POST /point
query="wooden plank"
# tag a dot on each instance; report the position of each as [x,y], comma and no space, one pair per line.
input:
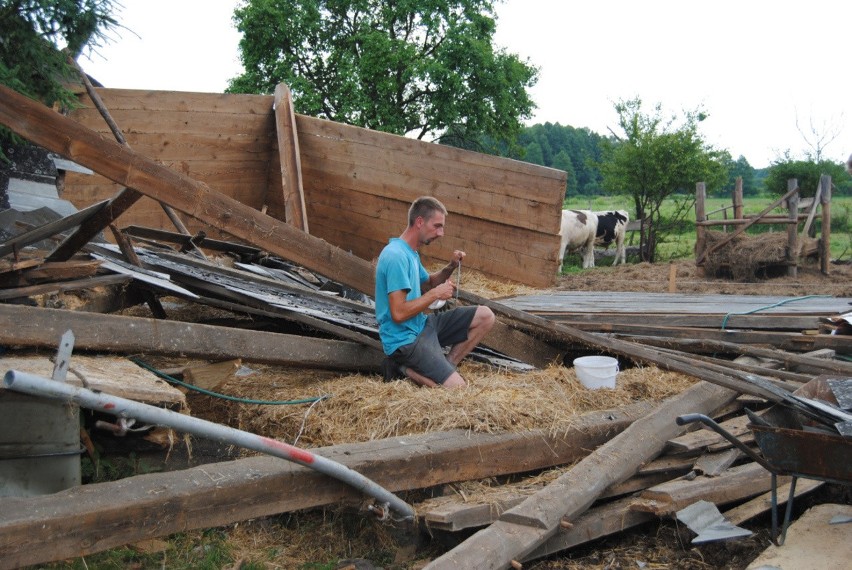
[522,529]
[703,320]
[788,359]
[467,169]
[49,229]
[454,513]
[714,464]
[763,503]
[43,327]
[382,218]
[469,196]
[736,484]
[667,464]
[623,303]
[290,159]
[598,522]
[705,437]
[112,375]
[96,517]
[51,271]
[156,101]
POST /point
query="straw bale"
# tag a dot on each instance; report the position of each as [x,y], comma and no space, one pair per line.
[746,255]
[360,408]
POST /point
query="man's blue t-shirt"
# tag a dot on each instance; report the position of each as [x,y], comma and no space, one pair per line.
[399,268]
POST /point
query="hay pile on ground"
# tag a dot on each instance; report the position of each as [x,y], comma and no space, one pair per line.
[745,256]
[359,408]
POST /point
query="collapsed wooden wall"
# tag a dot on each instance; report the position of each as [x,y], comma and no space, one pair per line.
[358,183]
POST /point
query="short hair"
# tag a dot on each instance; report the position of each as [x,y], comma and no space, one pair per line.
[424,207]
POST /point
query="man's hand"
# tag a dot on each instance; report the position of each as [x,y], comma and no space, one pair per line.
[445,290]
[457,257]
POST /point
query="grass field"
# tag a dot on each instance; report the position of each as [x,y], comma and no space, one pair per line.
[681,245]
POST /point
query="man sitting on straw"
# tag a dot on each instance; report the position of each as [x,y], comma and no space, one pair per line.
[412,340]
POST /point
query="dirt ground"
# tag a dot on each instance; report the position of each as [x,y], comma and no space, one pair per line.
[658,277]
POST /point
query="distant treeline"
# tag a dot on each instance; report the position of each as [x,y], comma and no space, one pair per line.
[578,152]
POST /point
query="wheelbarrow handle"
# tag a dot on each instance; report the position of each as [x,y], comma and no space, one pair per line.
[711,423]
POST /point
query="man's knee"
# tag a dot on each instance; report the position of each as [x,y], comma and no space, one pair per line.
[484,318]
[454,380]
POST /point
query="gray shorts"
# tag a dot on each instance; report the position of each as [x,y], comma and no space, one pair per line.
[425,355]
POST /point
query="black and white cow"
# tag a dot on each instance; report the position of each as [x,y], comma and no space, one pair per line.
[611,227]
[578,231]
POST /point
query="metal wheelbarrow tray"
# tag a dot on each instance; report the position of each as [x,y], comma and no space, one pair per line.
[808,454]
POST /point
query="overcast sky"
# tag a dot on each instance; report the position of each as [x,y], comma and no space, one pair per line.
[758,67]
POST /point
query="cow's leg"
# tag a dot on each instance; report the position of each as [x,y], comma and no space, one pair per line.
[620,256]
[589,253]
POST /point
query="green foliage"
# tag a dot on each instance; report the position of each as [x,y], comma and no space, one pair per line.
[739,168]
[112,468]
[576,151]
[655,160]
[36,39]
[207,550]
[807,174]
[410,67]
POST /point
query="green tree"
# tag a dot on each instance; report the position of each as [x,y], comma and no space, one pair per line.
[807,173]
[739,168]
[657,160]
[413,67]
[563,162]
[36,39]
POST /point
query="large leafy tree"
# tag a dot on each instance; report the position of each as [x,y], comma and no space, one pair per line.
[414,67]
[658,159]
[36,39]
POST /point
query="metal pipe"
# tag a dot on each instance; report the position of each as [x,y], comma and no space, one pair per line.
[121,407]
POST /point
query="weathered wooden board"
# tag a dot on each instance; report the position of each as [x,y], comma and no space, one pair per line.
[109,374]
[736,484]
[44,327]
[597,302]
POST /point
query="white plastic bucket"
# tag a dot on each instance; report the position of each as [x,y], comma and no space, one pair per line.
[596,371]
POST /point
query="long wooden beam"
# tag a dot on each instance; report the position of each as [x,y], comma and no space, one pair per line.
[96,517]
[291,163]
[35,326]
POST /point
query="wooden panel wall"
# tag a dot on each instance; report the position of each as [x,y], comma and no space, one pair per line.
[358,183]
[225,141]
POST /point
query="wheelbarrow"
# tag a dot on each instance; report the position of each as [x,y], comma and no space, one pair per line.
[792,452]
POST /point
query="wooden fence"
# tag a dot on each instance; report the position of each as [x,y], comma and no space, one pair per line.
[741,222]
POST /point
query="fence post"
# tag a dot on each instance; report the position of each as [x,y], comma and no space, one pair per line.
[792,230]
[700,216]
[825,237]
[737,198]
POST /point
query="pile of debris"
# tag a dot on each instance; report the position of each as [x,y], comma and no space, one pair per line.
[287,299]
